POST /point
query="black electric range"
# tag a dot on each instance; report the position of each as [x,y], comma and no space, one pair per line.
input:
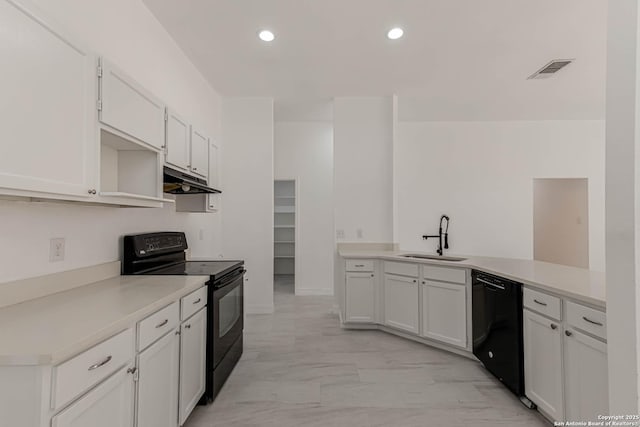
[163,253]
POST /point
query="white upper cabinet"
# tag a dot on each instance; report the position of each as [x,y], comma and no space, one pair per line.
[199,153]
[129,108]
[47,106]
[178,141]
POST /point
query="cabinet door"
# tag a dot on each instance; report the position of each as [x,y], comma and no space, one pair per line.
[199,153]
[158,383]
[586,380]
[130,108]
[47,106]
[214,166]
[108,405]
[444,312]
[401,302]
[543,364]
[177,141]
[193,345]
[360,297]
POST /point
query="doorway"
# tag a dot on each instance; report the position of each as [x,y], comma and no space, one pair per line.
[561,221]
[284,235]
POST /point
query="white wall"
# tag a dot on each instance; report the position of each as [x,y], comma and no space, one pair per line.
[247,198]
[362,138]
[623,206]
[480,174]
[129,35]
[304,151]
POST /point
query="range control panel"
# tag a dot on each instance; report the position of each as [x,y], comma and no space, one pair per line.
[157,243]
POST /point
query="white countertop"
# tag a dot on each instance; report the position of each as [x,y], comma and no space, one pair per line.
[53,328]
[576,283]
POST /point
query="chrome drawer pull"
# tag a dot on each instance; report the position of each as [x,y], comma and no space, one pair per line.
[591,321]
[197,301]
[161,324]
[97,365]
[541,303]
[359,265]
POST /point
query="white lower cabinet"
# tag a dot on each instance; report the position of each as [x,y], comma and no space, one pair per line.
[193,346]
[586,381]
[108,405]
[360,297]
[444,312]
[543,363]
[401,302]
[158,380]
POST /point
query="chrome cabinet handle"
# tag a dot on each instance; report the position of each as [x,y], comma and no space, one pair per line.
[568,333]
[177,332]
[132,370]
[372,275]
[195,169]
[161,324]
[97,365]
[187,326]
[554,327]
[197,301]
[593,322]
[414,280]
[541,303]
[359,265]
[92,191]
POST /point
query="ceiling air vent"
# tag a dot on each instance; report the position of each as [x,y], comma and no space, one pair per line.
[551,68]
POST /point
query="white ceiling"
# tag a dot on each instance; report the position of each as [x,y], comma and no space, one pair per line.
[458,60]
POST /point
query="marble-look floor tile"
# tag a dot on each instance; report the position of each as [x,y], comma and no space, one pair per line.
[299,369]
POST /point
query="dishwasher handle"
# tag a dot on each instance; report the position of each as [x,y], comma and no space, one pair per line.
[489,285]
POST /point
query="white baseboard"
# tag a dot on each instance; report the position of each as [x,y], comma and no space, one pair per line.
[259,308]
[314,292]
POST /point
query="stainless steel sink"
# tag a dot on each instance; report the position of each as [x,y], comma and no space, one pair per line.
[434,257]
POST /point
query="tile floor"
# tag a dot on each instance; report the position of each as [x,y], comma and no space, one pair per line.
[300,369]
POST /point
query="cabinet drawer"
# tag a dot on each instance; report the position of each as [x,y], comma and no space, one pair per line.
[443,274]
[542,303]
[401,268]
[587,319]
[359,265]
[158,324]
[77,375]
[193,302]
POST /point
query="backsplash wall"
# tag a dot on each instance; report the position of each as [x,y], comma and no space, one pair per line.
[92,233]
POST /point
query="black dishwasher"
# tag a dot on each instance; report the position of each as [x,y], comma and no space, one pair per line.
[497,328]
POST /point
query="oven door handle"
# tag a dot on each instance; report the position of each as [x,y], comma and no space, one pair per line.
[231,279]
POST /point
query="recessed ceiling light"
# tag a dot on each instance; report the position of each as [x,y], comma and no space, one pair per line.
[266,36]
[395,33]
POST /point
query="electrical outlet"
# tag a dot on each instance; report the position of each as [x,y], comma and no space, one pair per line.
[56,249]
[339,234]
[359,233]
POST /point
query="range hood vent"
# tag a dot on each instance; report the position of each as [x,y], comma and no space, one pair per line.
[177,182]
[550,69]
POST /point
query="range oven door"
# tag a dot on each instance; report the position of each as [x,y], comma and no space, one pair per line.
[228,314]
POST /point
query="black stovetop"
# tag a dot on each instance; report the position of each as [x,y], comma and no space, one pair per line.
[214,269]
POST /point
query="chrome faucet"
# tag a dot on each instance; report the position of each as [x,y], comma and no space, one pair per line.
[440,236]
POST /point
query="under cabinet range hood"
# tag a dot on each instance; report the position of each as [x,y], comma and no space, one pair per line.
[177,182]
